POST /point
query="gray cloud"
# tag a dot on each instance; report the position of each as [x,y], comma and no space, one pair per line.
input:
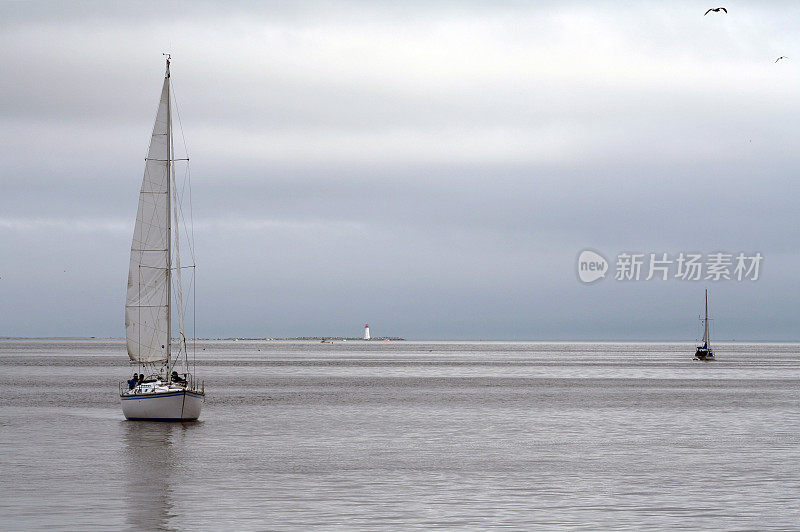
[432,169]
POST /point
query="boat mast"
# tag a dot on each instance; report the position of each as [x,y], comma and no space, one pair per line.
[706,339]
[169,225]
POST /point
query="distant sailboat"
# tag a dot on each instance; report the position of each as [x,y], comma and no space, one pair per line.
[161,393]
[704,351]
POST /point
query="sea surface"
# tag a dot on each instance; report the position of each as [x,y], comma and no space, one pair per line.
[404,435]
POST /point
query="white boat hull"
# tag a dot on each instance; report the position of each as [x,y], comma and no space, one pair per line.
[175,405]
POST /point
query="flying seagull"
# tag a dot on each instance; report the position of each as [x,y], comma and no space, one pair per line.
[781,57]
[715,10]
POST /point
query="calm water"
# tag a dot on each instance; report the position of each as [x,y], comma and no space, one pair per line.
[366,435]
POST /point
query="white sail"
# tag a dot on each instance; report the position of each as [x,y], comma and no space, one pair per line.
[148,297]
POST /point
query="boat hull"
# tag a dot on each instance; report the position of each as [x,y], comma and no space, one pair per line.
[703,354]
[182,405]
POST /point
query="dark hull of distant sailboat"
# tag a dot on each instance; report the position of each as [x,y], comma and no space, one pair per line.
[704,354]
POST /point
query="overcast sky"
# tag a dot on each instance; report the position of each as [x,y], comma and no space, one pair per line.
[432,168]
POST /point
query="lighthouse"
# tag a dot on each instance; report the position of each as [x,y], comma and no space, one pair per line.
[366,331]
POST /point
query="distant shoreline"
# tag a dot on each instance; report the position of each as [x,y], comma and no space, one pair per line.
[398,339]
[330,338]
[229,338]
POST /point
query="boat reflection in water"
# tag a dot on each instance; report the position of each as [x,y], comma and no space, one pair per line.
[153,472]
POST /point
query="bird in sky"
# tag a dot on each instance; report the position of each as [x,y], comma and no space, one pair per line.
[781,57]
[715,10]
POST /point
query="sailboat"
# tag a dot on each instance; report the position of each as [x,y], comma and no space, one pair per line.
[704,351]
[160,392]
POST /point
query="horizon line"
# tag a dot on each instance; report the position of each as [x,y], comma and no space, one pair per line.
[349,338]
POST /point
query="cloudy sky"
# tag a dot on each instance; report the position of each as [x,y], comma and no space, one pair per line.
[432,168]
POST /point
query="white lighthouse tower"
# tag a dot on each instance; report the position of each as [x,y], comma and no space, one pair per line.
[366,331]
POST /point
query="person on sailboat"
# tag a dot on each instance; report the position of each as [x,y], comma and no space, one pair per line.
[133,381]
[177,378]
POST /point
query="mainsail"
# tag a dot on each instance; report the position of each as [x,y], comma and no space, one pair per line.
[147,313]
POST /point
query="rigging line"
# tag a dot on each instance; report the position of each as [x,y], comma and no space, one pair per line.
[182,309]
[191,209]
[194,321]
[186,303]
[189,233]
[185,230]
[189,238]
[180,123]
[188,177]
[194,325]
[183,186]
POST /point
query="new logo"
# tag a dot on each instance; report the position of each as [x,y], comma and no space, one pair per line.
[591,266]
